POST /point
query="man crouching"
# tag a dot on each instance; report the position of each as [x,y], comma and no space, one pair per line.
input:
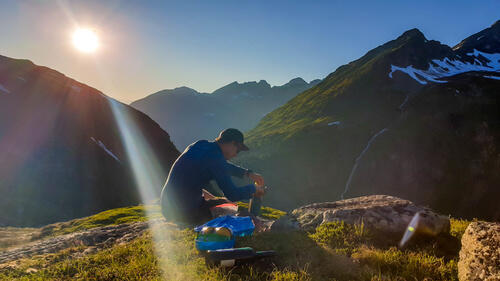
[202,161]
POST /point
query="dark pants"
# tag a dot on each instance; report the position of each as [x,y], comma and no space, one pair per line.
[193,217]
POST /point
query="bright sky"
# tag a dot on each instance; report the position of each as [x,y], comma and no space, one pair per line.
[147,46]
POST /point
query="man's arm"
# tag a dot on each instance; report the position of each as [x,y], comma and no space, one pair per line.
[221,174]
[240,172]
[236,171]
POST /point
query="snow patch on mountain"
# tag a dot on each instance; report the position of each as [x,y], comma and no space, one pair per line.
[99,143]
[412,72]
[334,123]
[21,78]
[3,89]
[492,77]
[446,67]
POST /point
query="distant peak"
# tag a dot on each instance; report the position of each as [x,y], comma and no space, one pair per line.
[261,83]
[184,88]
[315,82]
[264,82]
[297,80]
[412,34]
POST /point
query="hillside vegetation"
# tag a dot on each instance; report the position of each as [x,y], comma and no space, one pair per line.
[334,251]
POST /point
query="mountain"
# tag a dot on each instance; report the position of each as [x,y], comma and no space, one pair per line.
[63,147]
[412,118]
[190,116]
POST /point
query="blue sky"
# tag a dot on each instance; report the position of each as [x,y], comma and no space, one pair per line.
[153,45]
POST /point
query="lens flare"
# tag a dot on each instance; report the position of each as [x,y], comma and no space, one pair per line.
[146,169]
[410,230]
[85,40]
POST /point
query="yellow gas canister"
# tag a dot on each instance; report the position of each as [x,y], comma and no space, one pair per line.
[223,231]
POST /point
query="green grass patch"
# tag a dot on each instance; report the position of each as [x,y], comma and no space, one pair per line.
[457,227]
[301,256]
[267,212]
[341,237]
[125,215]
[109,217]
[171,257]
[394,264]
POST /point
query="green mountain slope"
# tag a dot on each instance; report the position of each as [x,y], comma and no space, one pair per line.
[360,82]
[318,146]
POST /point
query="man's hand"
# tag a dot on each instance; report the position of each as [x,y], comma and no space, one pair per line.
[258,179]
[207,195]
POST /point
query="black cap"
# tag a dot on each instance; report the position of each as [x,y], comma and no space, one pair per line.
[231,134]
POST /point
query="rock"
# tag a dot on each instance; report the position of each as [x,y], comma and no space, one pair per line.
[31,270]
[284,223]
[382,213]
[90,250]
[480,253]
[125,238]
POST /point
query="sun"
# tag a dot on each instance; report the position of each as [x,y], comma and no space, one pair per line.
[85,40]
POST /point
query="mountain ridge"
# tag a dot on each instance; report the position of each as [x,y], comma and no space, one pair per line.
[297,80]
[192,115]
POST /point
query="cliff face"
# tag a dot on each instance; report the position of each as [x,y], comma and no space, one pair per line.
[62,149]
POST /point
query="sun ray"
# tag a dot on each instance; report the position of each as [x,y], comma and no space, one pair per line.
[145,166]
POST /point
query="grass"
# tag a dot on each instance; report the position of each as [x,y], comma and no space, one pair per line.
[267,212]
[342,237]
[139,260]
[457,227]
[395,264]
[333,251]
[126,215]
[109,217]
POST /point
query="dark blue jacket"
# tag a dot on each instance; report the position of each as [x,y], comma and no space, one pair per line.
[201,162]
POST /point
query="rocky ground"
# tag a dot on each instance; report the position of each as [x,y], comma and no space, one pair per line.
[86,242]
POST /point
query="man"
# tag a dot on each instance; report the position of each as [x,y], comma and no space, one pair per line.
[202,161]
